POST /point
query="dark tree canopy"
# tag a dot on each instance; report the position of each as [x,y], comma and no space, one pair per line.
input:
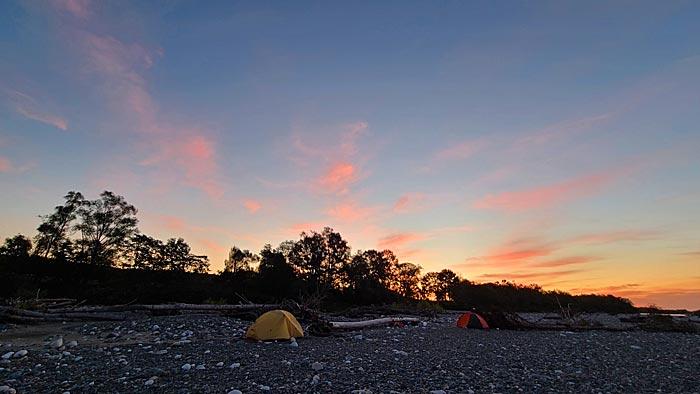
[55,228]
[17,246]
[318,258]
[240,260]
[105,226]
[152,254]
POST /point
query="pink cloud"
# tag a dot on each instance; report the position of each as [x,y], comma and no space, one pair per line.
[27,106]
[213,246]
[183,153]
[397,242]
[616,237]
[565,262]
[561,130]
[78,8]
[408,202]
[49,119]
[337,178]
[547,196]
[529,277]
[5,164]
[350,211]
[461,151]
[251,205]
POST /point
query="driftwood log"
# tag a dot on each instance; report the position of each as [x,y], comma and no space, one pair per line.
[351,325]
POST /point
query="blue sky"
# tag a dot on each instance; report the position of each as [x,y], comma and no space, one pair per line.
[541,142]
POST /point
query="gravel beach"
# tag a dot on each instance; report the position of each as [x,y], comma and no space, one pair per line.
[205,354]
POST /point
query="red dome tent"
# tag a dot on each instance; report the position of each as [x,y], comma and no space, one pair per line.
[471,320]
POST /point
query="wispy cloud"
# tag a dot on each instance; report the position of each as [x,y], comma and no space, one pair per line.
[462,150]
[5,164]
[530,276]
[252,205]
[408,202]
[337,178]
[29,107]
[187,152]
[350,211]
[77,8]
[548,195]
[562,130]
[398,242]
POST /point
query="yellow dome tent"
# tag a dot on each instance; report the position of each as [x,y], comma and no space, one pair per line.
[276,324]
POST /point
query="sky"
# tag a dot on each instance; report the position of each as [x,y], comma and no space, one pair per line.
[555,143]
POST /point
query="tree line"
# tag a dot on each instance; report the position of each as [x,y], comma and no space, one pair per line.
[104,233]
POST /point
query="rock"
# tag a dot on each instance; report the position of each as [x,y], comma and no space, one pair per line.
[7,355]
[72,344]
[201,366]
[235,392]
[20,353]
[186,367]
[149,382]
[264,388]
[438,392]
[7,389]
[294,344]
[362,391]
[234,365]
[635,347]
[315,379]
[316,366]
[220,364]
[57,343]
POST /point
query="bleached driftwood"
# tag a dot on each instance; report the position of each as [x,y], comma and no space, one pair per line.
[349,325]
[17,315]
[168,307]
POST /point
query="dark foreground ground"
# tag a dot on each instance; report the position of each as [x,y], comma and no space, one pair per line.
[148,355]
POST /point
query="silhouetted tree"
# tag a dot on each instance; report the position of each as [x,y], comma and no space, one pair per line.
[146,253]
[318,257]
[105,225]
[17,246]
[52,240]
[240,260]
[438,284]
[275,275]
[176,256]
[407,279]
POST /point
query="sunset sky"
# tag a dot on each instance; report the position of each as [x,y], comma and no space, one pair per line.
[555,143]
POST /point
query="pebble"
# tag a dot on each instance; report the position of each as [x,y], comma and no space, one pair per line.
[316,366]
[234,365]
[315,379]
[7,389]
[186,367]
[438,392]
[72,344]
[264,388]
[57,343]
[220,364]
[635,347]
[20,353]
[7,355]
[235,392]
[149,382]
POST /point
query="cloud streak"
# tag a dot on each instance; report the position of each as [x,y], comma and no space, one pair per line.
[188,153]
[549,195]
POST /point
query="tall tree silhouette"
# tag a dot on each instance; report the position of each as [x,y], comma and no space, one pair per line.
[318,258]
[105,227]
[55,228]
